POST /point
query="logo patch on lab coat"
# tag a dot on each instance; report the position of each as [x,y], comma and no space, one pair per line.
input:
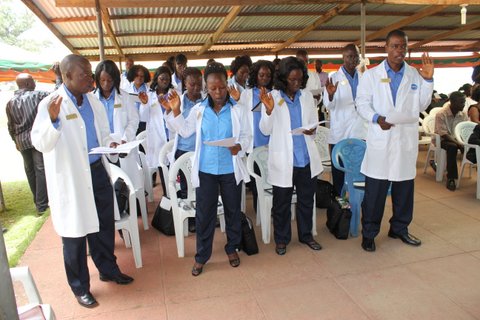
[414,86]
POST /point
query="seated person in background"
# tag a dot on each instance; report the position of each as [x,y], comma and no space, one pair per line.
[475,140]
[473,111]
[467,90]
[445,122]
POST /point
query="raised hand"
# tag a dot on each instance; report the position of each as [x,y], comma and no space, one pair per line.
[267,100]
[54,108]
[426,71]
[234,93]
[331,88]
[143,97]
[171,102]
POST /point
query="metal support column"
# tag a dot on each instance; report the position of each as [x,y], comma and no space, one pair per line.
[101,45]
[363,26]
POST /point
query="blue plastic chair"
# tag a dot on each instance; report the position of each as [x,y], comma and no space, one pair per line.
[349,153]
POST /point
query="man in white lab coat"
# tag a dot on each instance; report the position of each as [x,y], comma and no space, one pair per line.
[70,122]
[392,90]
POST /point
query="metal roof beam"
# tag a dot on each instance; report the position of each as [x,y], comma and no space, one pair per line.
[108,25]
[33,7]
[404,22]
[226,22]
[444,35]
[326,17]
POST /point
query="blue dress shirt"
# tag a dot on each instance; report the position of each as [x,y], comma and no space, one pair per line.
[259,139]
[395,80]
[187,144]
[300,151]
[353,81]
[216,160]
[88,117]
[109,104]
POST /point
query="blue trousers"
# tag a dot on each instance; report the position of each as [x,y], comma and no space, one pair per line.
[101,243]
[281,210]
[206,213]
[373,206]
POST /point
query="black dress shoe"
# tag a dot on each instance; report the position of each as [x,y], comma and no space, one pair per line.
[451,185]
[312,244]
[118,278]
[197,269]
[281,249]
[368,244]
[406,238]
[87,300]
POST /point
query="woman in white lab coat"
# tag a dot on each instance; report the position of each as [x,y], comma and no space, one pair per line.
[293,159]
[139,77]
[215,168]
[240,69]
[121,113]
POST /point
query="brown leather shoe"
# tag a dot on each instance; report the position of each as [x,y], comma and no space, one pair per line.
[234,259]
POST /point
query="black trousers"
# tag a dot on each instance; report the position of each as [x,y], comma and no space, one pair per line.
[281,210]
[373,206]
[183,193]
[452,149]
[338,177]
[101,243]
[253,187]
[35,171]
[206,213]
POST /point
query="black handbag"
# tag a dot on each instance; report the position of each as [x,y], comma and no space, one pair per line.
[249,241]
[163,221]
[338,219]
[121,194]
[325,195]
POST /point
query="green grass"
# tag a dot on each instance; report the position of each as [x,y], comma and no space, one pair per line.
[20,218]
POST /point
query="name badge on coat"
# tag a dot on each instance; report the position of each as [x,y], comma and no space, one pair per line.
[118,105]
[71,116]
[386,80]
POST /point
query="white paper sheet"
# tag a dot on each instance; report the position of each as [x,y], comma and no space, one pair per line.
[298,131]
[121,148]
[400,118]
[229,142]
[135,97]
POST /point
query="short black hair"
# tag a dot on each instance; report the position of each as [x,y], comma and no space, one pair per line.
[396,33]
[467,89]
[456,95]
[240,61]
[253,75]
[215,67]
[301,52]
[350,46]
[191,71]
[111,68]
[286,66]
[158,72]
[132,73]
[170,63]
[181,59]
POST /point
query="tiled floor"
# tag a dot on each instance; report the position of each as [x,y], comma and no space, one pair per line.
[439,280]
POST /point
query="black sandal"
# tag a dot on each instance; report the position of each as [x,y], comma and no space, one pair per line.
[234,259]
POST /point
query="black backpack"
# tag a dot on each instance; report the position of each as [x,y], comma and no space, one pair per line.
[249,241]
[122,192]
[338,219]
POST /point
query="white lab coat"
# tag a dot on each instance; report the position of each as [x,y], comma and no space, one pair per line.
[143,115]
[232,82]
[345,122]
[280,148]
[246,101]
[67,169]
[392,154]
[313,82]
[156,134]
[177,86]
[125,125]
[193,124]
[124,83]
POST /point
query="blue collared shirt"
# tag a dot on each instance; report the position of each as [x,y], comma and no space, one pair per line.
[187,144]
[395,80]
[143,88]
[259,139]
[300,151]
[109,104]
[88,117]
[353,81]
[216,160]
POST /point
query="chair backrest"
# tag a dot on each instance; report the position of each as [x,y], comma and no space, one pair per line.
[117,172]
[464,130]
[428,124]
[259,156]
[143,136]
[183,163]
[320,139]
[350,152]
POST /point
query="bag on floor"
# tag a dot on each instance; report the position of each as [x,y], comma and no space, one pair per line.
[122,193]
[249,241]
[338,218]
[163,218]
[325,195]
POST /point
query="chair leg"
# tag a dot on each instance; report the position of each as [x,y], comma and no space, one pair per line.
[461,173]
[314,217]
[140,193]
[126,238]
[267,220]
[135,241]
[427,161]
[178,224]
[441,165]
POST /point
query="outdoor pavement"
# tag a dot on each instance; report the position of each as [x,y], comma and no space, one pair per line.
[438,280]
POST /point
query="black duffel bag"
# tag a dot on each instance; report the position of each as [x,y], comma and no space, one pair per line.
[325,195]
[249,242]
[163,219]
[338,219]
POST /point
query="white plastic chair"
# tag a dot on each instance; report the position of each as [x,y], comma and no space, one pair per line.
[23,275]
[439,155]
[129,223]
[259,156]
[148,172]
[463,131]
[164,161]
[143,136]
[321,137]
[183,208]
